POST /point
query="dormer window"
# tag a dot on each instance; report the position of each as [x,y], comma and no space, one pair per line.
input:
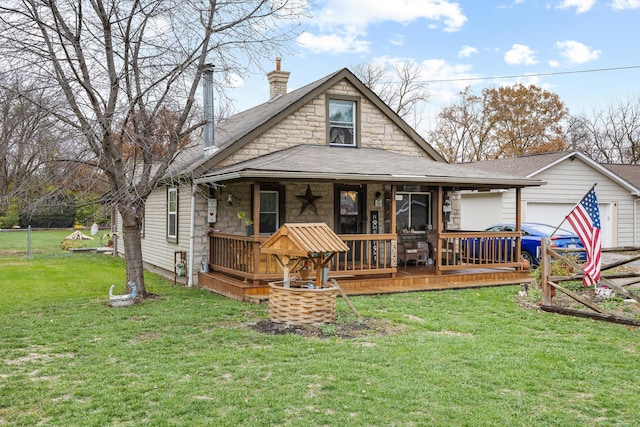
[342,122]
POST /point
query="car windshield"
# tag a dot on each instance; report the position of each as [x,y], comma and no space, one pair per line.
[547,230]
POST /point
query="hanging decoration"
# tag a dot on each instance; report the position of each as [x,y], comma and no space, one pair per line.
[308,200]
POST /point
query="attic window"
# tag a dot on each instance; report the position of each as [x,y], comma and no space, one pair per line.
[342,122]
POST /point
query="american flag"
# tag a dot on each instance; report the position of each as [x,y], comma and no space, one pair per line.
[585,220]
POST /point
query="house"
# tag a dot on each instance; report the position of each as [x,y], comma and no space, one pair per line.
[568,175]
[329,152]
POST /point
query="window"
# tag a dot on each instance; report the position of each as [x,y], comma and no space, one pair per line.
[172,214]
[413,211]
[342,122]
[269,211]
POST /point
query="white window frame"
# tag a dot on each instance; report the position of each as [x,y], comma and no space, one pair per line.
[172,214]
[338,129]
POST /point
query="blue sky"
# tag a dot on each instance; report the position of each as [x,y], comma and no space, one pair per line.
[546,43]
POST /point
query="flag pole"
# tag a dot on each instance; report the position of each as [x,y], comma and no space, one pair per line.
[574,206]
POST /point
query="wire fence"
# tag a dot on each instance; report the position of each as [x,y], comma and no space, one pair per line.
[30,242]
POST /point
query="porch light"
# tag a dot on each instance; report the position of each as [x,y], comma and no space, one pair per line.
[230,199]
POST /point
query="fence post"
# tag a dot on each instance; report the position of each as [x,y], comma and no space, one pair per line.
[545,270]
[29,243]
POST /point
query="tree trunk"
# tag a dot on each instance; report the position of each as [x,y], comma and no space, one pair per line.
[133,251]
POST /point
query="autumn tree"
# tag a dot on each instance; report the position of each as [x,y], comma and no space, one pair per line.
[400,85]
[611,135]
[120,66]
[503,122]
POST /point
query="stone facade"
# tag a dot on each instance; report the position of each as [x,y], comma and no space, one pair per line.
[308,125]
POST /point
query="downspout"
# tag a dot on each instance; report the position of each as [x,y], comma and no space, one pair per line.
[192,230]
[635,221]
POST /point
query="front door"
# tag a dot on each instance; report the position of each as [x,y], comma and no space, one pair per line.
[350,217]
[350,209]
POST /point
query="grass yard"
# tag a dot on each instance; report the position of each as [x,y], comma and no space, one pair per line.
[190,358]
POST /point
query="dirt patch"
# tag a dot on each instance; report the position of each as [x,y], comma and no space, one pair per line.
[347,330]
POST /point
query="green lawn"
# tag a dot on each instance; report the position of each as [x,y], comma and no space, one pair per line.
[190,358]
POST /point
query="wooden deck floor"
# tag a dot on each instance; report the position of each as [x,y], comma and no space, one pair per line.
[409,279]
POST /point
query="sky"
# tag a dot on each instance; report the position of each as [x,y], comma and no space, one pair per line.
[585,51]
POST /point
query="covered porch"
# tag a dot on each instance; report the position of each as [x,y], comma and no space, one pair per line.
[398,227]
[239,270]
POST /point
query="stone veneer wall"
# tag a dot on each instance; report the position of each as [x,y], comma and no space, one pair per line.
[308,126]
[228,222]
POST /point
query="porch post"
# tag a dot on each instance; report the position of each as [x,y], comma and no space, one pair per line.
[255,215]
[255,209]
[392,226]
[519,221]
[439,226]
[393,209]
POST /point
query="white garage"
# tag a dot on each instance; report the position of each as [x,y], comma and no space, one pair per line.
[480,210]
[554,214]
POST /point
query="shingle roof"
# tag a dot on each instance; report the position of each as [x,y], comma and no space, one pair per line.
[362,164]
[529,166]
[630,173]
[523,166]
[241,128]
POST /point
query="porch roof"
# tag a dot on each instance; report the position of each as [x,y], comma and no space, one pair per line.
[320,162]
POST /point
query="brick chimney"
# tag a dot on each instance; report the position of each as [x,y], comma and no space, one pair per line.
[277,81]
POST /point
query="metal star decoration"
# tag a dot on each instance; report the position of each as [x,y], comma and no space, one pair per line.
[308,199]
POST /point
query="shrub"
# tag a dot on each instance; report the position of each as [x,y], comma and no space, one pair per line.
[65,245]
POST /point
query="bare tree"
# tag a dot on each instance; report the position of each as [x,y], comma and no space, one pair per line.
[123,65]
[399,85]
[610,136]
[29,138]
[503,122]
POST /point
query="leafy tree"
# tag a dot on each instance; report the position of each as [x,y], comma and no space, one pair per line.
[122,66]
[503,122]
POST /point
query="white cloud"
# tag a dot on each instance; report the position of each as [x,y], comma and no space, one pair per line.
[467,51]
[519,55]
[361,13]
[235,81]
[625,4]
[575,52]
[353,17]
[397,40]
[333,43]
[580,5]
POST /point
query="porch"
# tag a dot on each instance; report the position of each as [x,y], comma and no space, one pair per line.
[239,270]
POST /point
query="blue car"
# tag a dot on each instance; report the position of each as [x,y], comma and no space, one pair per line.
[532,234]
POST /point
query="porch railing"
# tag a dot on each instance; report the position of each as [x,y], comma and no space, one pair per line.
[240,256]
[460,250]
[369,254]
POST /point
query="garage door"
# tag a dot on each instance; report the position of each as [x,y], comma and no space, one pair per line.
[554,213]
[479,211]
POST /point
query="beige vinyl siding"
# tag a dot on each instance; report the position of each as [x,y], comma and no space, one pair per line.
[567,182]
[156,250]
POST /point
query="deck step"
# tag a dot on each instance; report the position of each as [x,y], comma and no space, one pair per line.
[412,280]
